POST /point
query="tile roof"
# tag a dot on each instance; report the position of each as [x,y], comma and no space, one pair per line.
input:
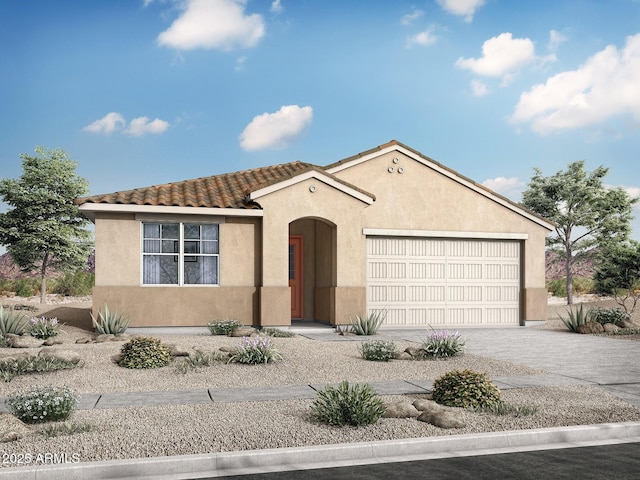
[228,190]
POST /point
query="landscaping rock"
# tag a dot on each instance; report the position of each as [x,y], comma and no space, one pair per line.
[178,352]
[116,358]
[243,332]
[628,324]
[424,405]
[610,328]
[443,418]
[121,337]
[590,328]
[401,410]
[86,340]
[403,356]
[52,341]
[12,429]
[228,349]
[413,351]
[104,337]
[64,355]
[25,341]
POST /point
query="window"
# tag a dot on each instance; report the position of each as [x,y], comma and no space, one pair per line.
[180,254]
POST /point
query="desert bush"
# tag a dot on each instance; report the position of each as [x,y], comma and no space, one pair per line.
[12,322]
[348,405]
[43,328]
[144,352]
[27,287]
[198,359]
[378,350]
[110,322]
[223,327]
[255,350]
[9,369]
[43,404]
[557,287]
[502,408]
[277,332]
[609,315]
[67,428]
[577,317]
[72,284]
[465,388]
[442,344]
[368,325]
[583,285]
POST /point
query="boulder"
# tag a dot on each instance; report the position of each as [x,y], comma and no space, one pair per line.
[243,332]
[443,418]
[86,340]
[628,324]
[178,351]
[610,328]
[413,351]
[401,410]
[64,355]
[402,356]
[590,328]
[116,358]
[228,349]
[12,429]
[121,337]
[104,337]
[25,341]
[52,341]
[424,405]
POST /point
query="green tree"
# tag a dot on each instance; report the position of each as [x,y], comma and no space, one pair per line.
[618,272]
[43,228]
[586,212]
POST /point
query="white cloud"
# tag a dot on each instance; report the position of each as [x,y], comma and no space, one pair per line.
[502,56]
[479,88]
[240,61]
[141,126]
[409,18]
[462,8]
[106,125]
[606,85]
[276,7]
[219,24]
[555,40]
[422,39]
[509,187]
[276,130]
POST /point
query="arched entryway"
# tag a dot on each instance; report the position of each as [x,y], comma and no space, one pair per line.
[312,269]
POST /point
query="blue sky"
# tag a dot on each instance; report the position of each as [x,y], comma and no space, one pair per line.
[143,92]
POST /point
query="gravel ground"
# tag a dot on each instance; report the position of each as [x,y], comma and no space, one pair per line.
[188,429]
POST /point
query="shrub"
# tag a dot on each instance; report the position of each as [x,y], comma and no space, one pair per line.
[144,352]
[73,284]
[465,388]
[368,325]
[43,328]
[43,404]
[609,315]
[576,318]
[56,430]
[9,369]
[557,287]
[277,332]
[255,350]
[223,327]
[348,405]
[503,408]
[378,350]
[27,287]
[12,322]
[442,344]
[582,285]
[196,360]
[110,322]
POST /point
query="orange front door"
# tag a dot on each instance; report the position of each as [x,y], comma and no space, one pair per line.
[295,274]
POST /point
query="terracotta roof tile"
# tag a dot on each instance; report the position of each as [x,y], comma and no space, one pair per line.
[228,190]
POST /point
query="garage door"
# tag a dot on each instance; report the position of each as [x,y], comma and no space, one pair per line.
[421,281]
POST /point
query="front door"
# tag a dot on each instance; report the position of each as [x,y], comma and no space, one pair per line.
[295,274]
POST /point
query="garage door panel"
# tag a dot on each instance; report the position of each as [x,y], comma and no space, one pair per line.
[423,281]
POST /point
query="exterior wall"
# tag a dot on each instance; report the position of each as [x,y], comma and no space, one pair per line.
[119,284]
[421,198]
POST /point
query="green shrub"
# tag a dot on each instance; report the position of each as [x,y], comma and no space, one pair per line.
[348,405]
[223,327]
[43,404]
[503,408]
[27,287]
[557,287]
[72,284]
[255,350]
[575,318]
[368,325]
[43,328]
[12,322]
[144,352]
[582,285]
[9,369]
[197,359]
[71,428]
[110,322]
[609,315]
[378,350]
[465,388]
[442,344]
[277,332]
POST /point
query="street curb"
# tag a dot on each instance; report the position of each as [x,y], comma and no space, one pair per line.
[324,456]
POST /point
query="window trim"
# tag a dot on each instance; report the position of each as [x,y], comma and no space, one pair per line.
[180,254]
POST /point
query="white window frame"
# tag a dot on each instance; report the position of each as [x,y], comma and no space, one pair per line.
[180,254]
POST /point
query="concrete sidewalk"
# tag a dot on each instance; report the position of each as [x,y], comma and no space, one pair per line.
[567,359]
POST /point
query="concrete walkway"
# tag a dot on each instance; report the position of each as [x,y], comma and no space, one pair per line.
[567,359]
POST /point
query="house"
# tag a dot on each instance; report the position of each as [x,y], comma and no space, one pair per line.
[388,229]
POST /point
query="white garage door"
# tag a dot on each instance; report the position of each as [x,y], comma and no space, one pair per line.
[421,281]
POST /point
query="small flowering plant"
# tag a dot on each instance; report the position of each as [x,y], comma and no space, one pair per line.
[255,350]
[43,404]
[43,328]
[442,344]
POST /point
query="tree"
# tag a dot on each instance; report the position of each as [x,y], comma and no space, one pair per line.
[618,272]
[44,229]
[585,211]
